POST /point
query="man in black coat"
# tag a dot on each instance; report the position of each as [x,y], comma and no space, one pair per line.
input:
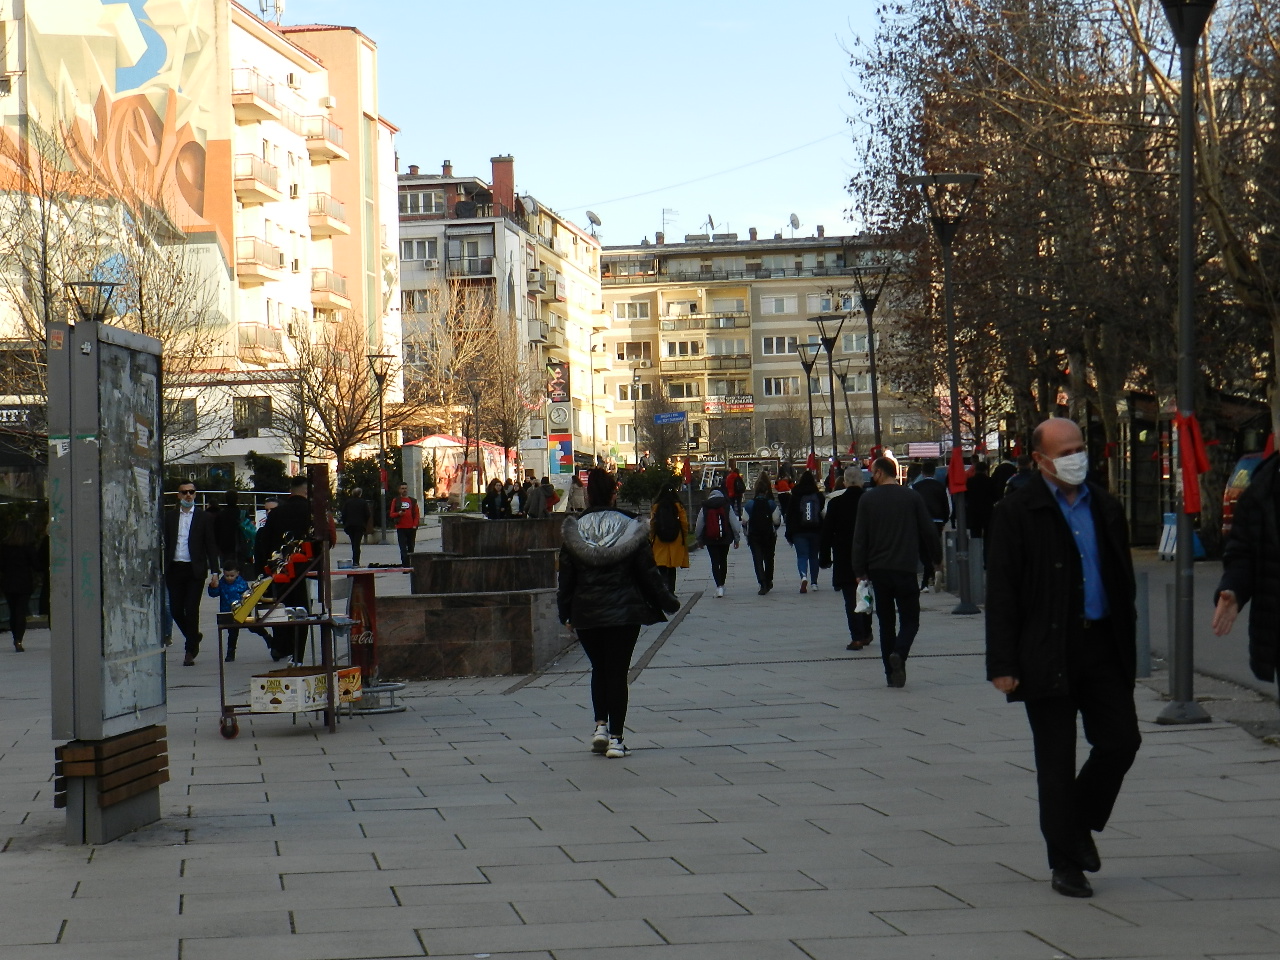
[355,521]
[1251,570]
[1060,638]
[934,492]
[289,521]
[190,555]
[836,551]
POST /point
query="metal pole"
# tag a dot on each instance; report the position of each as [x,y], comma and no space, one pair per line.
[1182,707]
[848,414]
[383,478]
[869,307]
[829,344]
[808,388]
[966,604]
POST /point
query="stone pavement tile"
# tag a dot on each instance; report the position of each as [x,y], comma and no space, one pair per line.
[234,901]
[463,893]
[392,859]
[605,871]
[638,908]
[555,937]
[1033,891]
[964,946]
[133,925]
[1219,887]
[428,843]
[430,872]
[141,888]
[590,853]
[29,926]
[409,916]
[308,946]
[164,949]
[770,949]
[745,929]
[277,866]
[1046,920]
[914,875]
[1161,867]
[1087,940]
[731,883]
[1197,845]
[810,902]
[1171,914]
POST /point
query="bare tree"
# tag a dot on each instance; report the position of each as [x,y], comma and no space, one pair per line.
[515,384]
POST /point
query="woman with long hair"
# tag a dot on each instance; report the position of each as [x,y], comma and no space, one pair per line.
[669,533]
[609,588]
[763,518]
[804,528]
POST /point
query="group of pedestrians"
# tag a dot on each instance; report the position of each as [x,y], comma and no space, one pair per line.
[510,501]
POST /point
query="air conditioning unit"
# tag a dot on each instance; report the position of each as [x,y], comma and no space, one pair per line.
[534,276]
[293,80]
[296,266]
[295,191]
[328,102]
[645,364]
[431,264]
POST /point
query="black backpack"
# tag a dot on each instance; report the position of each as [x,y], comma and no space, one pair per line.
[666,522]
[760,521]
[811,512]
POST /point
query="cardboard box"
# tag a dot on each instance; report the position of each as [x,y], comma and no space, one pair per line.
[300,689]
[350,684]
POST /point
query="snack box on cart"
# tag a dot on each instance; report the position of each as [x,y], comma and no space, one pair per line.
[300,689]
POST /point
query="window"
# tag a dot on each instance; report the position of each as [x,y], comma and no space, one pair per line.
[781,386]
[683,391]
[771,346]
[728,305]
[424,201]
[857,383]
[419,249]
[180,414]
[856,342]
[626,433]
[627,392]
[631,311]
[725,346]
[684,348]
[820,426]
[249,415]
[808,261]
[727,388]
[778,305]
[818,385]
[419,301]
[729,264]
[684,266]
[633,350]
[826,303]
[776,264]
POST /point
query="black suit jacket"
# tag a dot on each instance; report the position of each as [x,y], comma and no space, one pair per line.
[202,544]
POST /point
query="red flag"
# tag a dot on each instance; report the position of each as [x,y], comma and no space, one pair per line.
[1271,446]
[957,481]
[687,473]
[1017,448]
[812,463]
[1193,460]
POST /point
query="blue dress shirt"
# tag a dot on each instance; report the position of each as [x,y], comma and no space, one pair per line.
[1079,519]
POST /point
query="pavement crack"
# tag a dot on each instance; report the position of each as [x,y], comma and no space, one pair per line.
[649,924]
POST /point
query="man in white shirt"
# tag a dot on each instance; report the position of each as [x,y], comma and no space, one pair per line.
[190,555]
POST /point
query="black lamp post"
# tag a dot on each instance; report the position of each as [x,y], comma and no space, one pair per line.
[635,416]
[93,298]
[842,374]
[380,364]
[948,196]
[871,281]
[829,327]
[808,357]
[1187,18]
[475,387]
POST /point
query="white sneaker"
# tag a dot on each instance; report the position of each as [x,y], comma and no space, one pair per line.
[814,586]
[719,592]
[617,749]
[600,739]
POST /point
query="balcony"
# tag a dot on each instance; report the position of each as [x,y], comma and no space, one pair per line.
[537,331]
[602,361]
[257,262]
[329,290]
[260,344]
[740,361]
[557,289]
[324,139]
[326,216]
[253,96]
[707,276]
[255,180]
[555,338]
[706,321]
[471,266]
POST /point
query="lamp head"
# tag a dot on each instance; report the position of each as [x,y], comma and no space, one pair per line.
[808,353]
[947,196]
[829,327]
[93,298]
[380,364]
[1188,18]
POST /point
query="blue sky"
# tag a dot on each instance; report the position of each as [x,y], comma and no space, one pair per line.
[599,102]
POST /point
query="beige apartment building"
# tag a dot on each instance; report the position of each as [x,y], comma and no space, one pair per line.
[713,326]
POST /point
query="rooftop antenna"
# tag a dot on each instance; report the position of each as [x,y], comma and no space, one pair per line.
[272,10]
[668,216]
[595,222]
[711,224]
[795,225]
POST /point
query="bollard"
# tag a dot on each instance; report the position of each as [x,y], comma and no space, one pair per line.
[1169,613]
[1142,601]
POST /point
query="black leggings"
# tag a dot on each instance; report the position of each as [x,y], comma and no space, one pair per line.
[609,649]
[18,614]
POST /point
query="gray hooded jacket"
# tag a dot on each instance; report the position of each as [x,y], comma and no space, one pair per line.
[607,574]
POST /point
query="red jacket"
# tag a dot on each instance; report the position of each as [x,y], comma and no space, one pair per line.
[405,517]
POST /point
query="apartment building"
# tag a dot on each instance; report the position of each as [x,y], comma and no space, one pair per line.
[232,133]
[467,239]
[713,326]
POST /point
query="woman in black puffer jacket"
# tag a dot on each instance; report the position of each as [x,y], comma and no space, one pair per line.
[609,589]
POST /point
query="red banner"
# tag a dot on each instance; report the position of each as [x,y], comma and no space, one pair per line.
[1193,460]
[957,479]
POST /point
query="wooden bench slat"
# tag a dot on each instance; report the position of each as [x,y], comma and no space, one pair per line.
[78,751]
[131,773]
[120,794]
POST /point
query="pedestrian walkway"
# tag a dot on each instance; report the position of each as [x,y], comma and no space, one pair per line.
[780,802]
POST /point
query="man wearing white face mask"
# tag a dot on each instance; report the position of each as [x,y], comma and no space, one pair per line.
[1060,638]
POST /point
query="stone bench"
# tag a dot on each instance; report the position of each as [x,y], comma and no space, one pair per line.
[478,537]
[455,573]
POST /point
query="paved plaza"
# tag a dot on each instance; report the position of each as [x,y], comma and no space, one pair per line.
[780,802]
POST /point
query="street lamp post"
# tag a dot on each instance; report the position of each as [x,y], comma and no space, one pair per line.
[635,417]
[871,281]
[948,196]
[808,357]
[475,387]
[1188,19]
[828,338]
[842,374]
[380,364]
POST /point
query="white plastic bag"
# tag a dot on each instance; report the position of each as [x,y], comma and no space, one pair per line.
[866,598]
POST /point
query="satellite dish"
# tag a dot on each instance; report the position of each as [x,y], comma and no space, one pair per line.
[795,222]
[530,205]
[595,221]
[710,223]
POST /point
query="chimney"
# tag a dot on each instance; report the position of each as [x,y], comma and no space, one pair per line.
[660,237]
[446,169]
[504,181]
[413,169]
[822,231]
[752,234]
[778,235]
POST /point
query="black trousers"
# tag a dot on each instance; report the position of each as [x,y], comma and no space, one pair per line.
[929,571]
[762,552]
[859,623]
[186,586]
[897,610]
[18,603]
[407,538]
[668,577]
[1071,803]
[609,649]
[719,556]
[356,535]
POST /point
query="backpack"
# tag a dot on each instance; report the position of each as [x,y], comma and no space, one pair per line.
[811,512]
[760,519]
[666,522]
[715,524]
[733,485]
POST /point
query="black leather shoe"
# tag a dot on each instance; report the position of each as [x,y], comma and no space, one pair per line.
[1087,854]
[1070,882]
[897,671]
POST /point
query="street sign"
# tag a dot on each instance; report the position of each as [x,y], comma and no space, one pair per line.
[678,416]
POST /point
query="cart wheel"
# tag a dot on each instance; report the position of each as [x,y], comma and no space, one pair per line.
[229,728]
